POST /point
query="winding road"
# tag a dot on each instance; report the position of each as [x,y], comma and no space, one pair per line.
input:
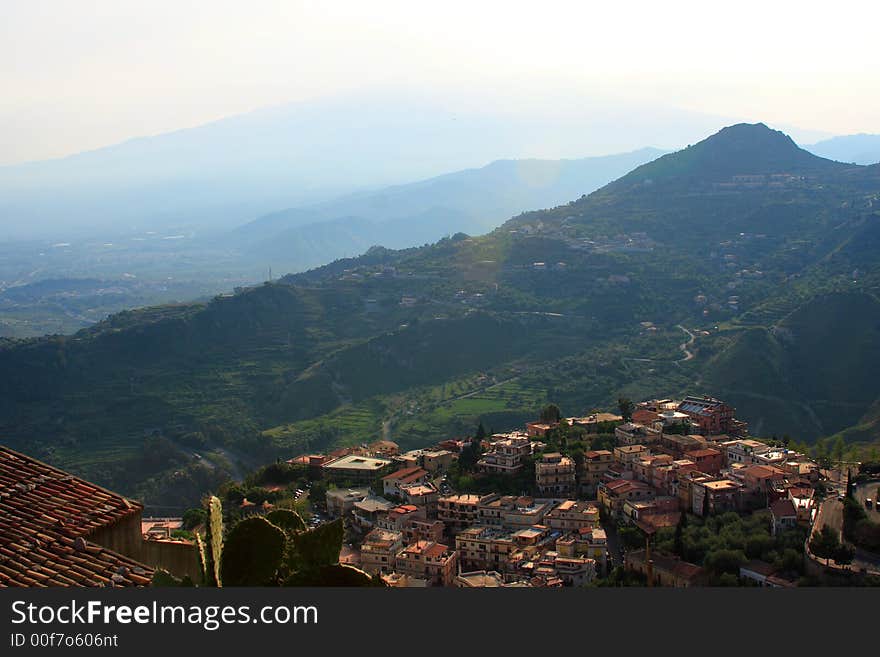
[688,354]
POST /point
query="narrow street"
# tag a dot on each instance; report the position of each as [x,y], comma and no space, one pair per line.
[831,514]
[615,549]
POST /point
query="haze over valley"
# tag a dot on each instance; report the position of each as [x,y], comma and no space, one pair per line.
[205,210]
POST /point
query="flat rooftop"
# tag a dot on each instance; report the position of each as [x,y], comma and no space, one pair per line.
[355,462]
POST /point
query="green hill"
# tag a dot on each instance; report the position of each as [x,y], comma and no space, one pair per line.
[812,374]
[743,231]
[742,149]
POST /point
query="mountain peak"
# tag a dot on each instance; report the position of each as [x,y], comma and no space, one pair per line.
[741,149]
[748,136]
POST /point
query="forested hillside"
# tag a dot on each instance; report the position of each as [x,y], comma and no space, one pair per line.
[762,251]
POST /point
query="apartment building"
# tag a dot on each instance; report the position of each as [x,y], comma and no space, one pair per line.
[626,455]
[707,459]
[594,466]
[512,512]
[555,475]
[710,497]
[711,416]
[613,494]
[366,512]
[643,468]
[437,460]
[357,469]
[505,454]
[379,550]
[416,529]
[413,523]
[485,548]
[743,451]
[573,571]
[665,477]
[428,560]
[572,515]
[590,543]
[422,494]
[341,501]
[460,511]
[392,483]
[677,445]
[482,579]
[636,434]
[762,478]
[686,483]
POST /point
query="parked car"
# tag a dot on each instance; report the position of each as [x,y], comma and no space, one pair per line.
[869,503]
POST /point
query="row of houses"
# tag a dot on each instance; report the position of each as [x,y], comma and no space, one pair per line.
[648,484]
[566,547]
[670,458]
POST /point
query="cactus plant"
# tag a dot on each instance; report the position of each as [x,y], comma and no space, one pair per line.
[287,519]
[203,558]
[262,551]
[252,553]
[215,540]
[320,546]
[333,575]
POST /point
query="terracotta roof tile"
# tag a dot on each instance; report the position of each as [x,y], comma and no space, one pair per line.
[46,515]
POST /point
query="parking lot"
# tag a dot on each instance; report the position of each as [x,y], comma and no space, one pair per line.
[869,491]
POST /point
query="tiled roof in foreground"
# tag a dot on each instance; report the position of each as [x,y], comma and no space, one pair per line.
[46,517]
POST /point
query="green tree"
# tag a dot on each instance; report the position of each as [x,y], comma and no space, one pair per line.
[192,518]
[678,542]
[825,543]
[626,407]
[550,414]
[631,537]
[820,452]
[725,561]
[318,493]
[839,449]
[844,554]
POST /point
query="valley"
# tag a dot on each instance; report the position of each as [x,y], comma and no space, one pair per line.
[755,246]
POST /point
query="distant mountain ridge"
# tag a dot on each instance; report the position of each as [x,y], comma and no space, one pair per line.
[222,174]
[858,149]
[472,201]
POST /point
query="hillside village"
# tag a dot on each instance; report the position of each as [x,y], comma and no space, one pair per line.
[570,501]
[663,493]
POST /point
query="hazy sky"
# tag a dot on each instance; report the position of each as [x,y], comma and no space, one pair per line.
[80,74]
